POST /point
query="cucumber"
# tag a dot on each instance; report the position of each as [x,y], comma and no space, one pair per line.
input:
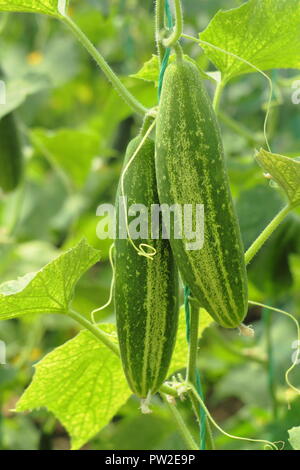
[191,170]
[11,159]
[146,290]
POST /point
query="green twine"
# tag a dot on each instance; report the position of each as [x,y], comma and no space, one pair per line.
[202,412]
[168,15]
[199,388]
[168,50]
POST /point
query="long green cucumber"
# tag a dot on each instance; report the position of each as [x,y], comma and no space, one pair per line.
[191,170]
[146,290]
[11,159]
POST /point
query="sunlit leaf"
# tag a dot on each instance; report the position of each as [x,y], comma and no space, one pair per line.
[284,171]
[50,290]
[82,383]
[263,32]
[149,71]
[47,7]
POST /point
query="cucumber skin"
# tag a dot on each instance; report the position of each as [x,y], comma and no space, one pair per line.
[11,159]
[191,169]
[146,291]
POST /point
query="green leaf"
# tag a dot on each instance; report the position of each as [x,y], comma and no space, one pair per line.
[66,148]
[82,383]
[284,171]
[180,354]
[50,290]
[48,7]
[150,70]
[294,438]
[87,393]
[263,32]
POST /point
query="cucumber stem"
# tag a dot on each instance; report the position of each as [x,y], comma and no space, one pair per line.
[159,26]
[101,335]
[266,233]
[178,51]
[187,436]
[176,34]
[148,121]
[132,102]
[164,388]
[217,96]
[192,367]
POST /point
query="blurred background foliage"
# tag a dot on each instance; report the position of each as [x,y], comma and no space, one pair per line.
[75,129]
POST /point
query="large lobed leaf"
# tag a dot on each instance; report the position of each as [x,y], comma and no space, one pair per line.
[263,32]
[47,7]
[50,290]
[82,383]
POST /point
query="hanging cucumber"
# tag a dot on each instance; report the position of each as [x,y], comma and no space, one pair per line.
[11,159]
[146,290]
[191,170]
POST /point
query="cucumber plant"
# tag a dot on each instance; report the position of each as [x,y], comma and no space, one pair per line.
[180,163]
